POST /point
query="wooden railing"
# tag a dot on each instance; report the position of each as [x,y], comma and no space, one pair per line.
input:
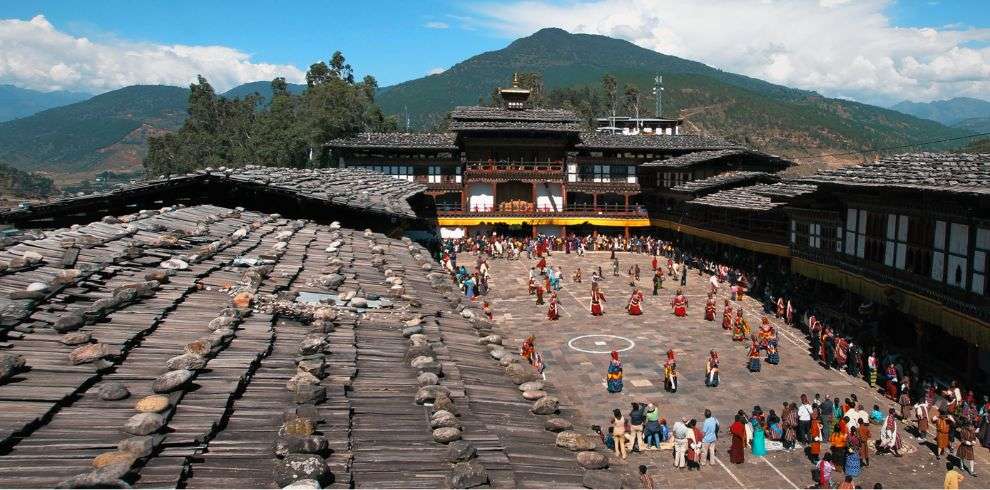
[571,210]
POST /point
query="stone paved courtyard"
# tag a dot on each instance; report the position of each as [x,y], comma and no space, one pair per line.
[576,367]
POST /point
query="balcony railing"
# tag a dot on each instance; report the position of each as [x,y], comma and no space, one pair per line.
[571,210]
[492,168]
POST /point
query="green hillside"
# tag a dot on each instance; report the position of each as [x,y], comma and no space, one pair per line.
[18,183]
[77,137]
[262,88]
[767,116]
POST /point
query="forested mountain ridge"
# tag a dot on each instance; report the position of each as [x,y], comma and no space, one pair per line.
[751,111]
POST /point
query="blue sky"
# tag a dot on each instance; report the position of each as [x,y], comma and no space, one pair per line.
[880,52]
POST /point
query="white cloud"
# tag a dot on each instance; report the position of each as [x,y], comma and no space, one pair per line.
[34,54]
[436,71]
[436,25]
[836,47]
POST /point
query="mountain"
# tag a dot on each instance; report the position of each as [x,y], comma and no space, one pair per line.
[106,132]
[18,102]
[975,124]
[262,88]
[948,112]
[766,116]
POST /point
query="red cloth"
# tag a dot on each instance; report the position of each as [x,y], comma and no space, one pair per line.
[737,450]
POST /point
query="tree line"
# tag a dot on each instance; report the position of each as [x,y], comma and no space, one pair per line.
[290,131]
[18,183]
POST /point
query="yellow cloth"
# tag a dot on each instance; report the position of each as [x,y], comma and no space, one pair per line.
[952,479]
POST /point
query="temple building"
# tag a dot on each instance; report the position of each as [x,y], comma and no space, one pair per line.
[525,170]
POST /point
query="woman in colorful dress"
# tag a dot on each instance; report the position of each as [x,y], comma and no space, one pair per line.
[597,298]
[634,307]
[553,311]
[614,376]
[754,356]
[711,369]
[679,304]
[890,440]
[710,308]
[759,436]
[727,316]
[780,307]
[872,367]
[853,443]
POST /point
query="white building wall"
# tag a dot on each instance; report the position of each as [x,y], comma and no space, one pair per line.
[481,197]
[549,197]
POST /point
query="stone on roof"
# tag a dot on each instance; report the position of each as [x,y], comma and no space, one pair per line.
[690,142]
[956,173]
[725,179]
[410,141]
[250,323]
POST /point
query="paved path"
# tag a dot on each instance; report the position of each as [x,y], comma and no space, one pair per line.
[576,366]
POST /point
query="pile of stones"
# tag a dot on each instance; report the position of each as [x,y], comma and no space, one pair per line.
[145,428]
[466,471]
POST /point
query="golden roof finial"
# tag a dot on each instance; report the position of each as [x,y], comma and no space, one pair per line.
[515,80]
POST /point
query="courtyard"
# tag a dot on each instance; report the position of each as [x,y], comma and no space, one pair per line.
[576,353]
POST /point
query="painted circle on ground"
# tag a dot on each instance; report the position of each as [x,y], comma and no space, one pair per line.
[603,338]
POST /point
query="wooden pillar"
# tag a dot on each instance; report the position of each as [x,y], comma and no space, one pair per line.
[627,202]
[626,232]
[464,206]
[563,232]
[534,195]
[594,200]
[533,232]
[494,195]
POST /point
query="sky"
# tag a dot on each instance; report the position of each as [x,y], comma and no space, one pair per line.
[875,51]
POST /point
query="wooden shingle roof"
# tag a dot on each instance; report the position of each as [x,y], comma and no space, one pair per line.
[722,180]
[480,118]
[688,142]
[356,188]
[404,141]
[956,173]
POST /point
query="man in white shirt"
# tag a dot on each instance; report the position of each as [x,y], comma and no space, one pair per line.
[804,419]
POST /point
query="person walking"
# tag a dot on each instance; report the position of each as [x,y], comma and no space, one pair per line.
[709,438]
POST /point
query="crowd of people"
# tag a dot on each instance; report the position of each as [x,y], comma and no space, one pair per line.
[835,434]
